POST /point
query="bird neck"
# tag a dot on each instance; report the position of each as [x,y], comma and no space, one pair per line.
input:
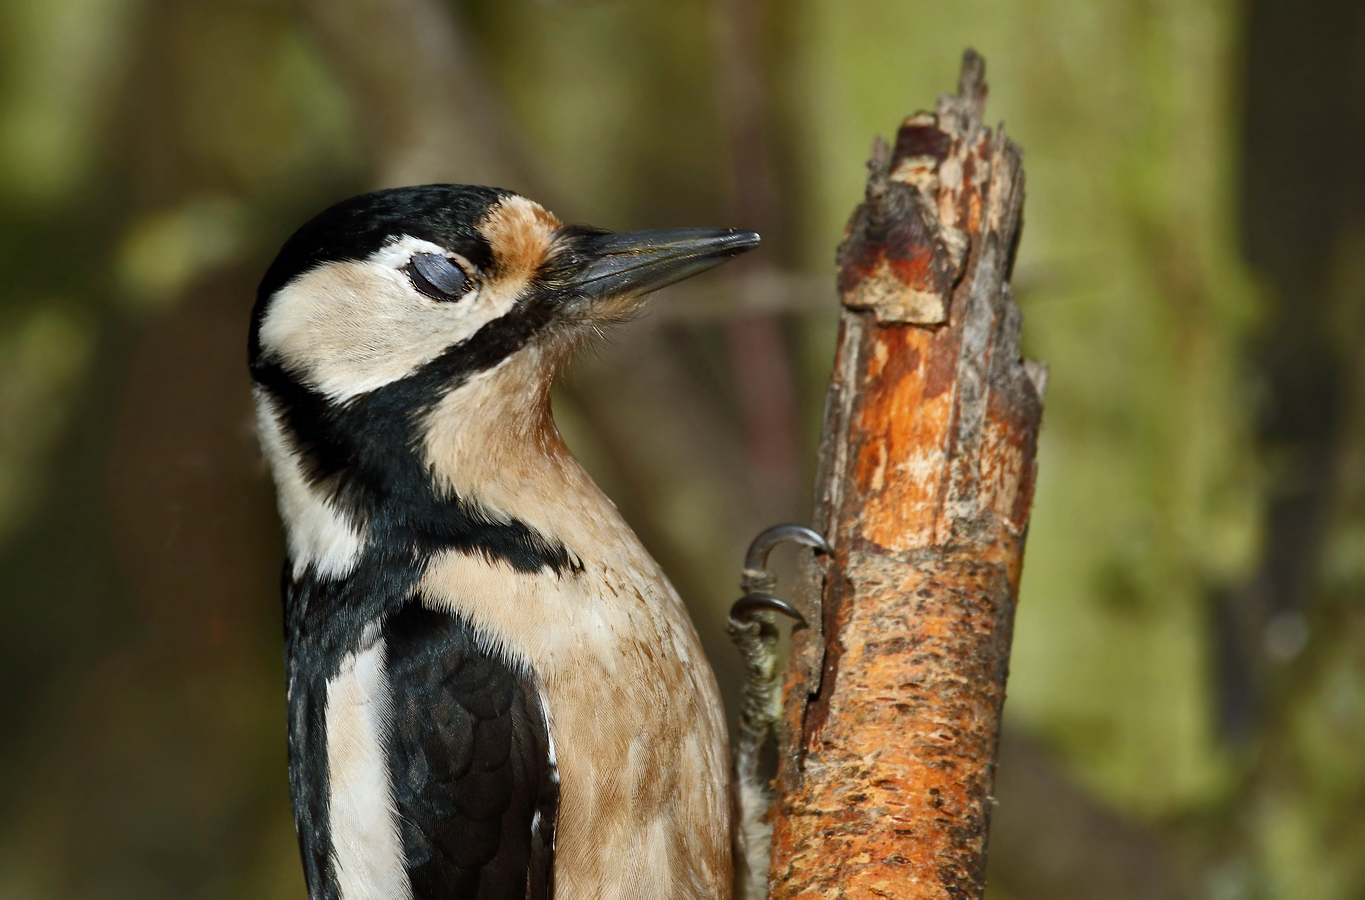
[493,443]
[473,472]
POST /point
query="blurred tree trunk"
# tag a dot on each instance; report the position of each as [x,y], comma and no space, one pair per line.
[1301,223]
[926,482]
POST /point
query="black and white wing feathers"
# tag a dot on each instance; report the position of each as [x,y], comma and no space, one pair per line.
[472,764]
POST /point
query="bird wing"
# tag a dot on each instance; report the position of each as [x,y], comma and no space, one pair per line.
[472,763]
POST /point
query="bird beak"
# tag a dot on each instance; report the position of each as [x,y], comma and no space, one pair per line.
[628,265]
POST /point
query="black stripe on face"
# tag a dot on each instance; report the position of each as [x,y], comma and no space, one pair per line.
[367,455]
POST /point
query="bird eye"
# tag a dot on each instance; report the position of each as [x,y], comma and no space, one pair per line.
[437,277]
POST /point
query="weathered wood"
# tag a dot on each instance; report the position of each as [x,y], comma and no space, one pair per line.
[925,485]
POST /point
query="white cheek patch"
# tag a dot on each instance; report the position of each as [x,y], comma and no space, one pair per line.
[362,816]
[318,534]
[351,327]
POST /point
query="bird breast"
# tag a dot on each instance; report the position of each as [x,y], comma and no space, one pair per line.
[635,713]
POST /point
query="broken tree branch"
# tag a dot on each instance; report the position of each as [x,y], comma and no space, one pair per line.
[924,489]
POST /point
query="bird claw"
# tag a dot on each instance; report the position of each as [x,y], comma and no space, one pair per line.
[747,606]
[758,582]
[768,538]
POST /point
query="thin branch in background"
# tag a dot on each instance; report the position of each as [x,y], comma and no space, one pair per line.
[1299,199]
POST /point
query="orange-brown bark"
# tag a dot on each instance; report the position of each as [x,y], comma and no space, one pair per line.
[925,488]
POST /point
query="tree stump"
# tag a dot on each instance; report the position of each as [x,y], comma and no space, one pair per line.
[926,475]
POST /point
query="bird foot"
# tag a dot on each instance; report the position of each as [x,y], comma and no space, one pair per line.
[753,629]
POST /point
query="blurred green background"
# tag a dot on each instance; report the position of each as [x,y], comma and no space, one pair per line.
[1187,702]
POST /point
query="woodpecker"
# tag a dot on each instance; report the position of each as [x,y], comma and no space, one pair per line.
[493,691]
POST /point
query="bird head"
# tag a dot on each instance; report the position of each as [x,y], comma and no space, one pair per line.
[404,341]
[377,287]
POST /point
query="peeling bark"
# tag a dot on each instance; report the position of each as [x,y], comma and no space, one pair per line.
[924,488]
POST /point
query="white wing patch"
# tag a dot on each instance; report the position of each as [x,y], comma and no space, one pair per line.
[362,818]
